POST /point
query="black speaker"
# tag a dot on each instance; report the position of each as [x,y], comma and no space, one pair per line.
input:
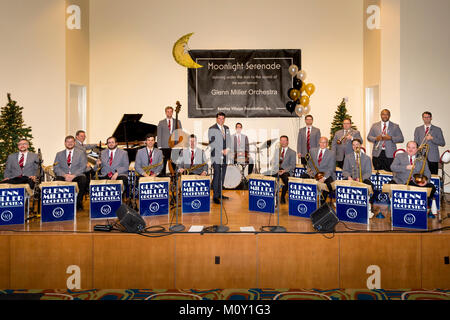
[324,219]
[130,219]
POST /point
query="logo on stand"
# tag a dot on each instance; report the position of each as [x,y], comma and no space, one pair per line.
[6,215]
[196,204]
[58,212]
[154,207]
[105,209]
[409,218]
[261,204]
[301,208]
[351,213]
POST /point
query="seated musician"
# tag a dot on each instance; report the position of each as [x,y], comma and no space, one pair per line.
[70,165]
[22,166]
[404,162]
[351,166]
[285,161]
[113,163]
[192,158]
[325,161]
[149,160]
[241,148]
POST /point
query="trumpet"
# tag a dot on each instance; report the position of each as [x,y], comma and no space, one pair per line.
[319,174]
[419,178]
[358,151]
[344,137]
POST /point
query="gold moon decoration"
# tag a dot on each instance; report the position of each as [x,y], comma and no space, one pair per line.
[181,55]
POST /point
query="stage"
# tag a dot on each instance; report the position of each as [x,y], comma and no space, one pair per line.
[50,255]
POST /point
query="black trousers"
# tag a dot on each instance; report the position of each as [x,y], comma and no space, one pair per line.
[219,171]
[382,162]
[20,180]
[285,178]
[82,186]
[434,166]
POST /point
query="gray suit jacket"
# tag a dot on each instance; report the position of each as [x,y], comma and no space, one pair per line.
[13,170]
[438,140]
[289,162]
[184,161]
[143,161]
[328,163]
[314,138]
[346,146]
[120,163]
[163,133]
[351,168]
[401,174]
[217,143]
[393,130]
[78,166]
[85,147]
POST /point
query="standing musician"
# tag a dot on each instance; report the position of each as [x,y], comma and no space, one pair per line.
[431,135]
[191,157]
[80,137]
[165,129]
[22,166]
[342,141]
[308,138]
[70,165]
[404,162]
[149,156]
[113,163]
[220,143]
[284,161]
[241,147]
[385,135]
[325,161]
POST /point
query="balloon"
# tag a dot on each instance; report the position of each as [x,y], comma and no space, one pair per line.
[301,75]
[310,88]
[307,109]
[294,94]
[304,100]
[293,69]
[299,110]
[303,87]
[290,106]
[297,83]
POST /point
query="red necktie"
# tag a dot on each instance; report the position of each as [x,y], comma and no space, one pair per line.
[384,133]
[410,161]
[192,157]
[426,131]
[282,156]
[69,158]
[22,159]
[169,126]
[150,157]
[320,157]
[110,163]
[307,140]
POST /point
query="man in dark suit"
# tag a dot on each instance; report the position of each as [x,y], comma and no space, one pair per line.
[22,166]
[70,166]
[284,162]
[219,143]
[308,137]
[165,129]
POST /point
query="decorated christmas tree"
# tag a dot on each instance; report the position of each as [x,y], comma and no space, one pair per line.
[12,129]
[339,116]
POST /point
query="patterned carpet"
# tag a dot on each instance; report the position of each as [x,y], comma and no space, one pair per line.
[226,294]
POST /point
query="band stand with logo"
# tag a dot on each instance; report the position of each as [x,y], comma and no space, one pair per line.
[261,193]
[14,203]
[436,181]
[408,206]
[352,200]
[379,178]
[154,196]
[195,194]
[58,201]
[105,197]
[299,170]
[304,196]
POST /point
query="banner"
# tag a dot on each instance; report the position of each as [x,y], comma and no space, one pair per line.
[104,200]
[12,206]
[409,209]
[58,203]
[195,195]
[241,83]
[352,204]
[302,199]
[261,195]
[153,197]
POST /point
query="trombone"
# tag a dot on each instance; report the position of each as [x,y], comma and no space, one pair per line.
[344,137]
[419,178]
[318,174]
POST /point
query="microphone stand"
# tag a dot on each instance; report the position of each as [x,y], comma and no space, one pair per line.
[278,228]
[380,215]
[176,227]
[221,227]
[36,189]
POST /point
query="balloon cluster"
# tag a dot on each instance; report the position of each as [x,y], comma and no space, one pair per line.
[300,92]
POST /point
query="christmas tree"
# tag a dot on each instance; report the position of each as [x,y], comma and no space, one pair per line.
[12,129]
[339,116]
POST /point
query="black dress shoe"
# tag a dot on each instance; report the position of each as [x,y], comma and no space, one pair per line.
[216,200]
[225,197]
[282,200]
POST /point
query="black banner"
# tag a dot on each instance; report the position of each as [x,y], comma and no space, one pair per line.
[241,83]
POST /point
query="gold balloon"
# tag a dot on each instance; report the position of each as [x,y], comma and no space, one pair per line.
[304,100]
[310,88]
[301,75]
[303,87]
[294,94]
[306,109]
[293,69]
[299,110]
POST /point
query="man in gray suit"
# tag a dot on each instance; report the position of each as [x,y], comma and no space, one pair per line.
[325,161]
[404,162]
[22,166]
[193,156]
[431,135]
[284,162]
[113,163]
[165,128]
[241,148]
[384,135]
[308,138]
[342,141]
[80,137]
[149,156]
[70,165]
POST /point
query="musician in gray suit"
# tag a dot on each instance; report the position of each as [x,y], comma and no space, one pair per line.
[22,166]
[384,135]
[342,141]
[149,156]
[308,138]
[284,163]
[325,161]
[70,165]
[404,162]
[80,137]
[113,163]
[165,128]
[192,157]
[241,148]
[431,135]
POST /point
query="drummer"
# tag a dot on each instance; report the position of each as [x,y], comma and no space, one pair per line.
[241,148]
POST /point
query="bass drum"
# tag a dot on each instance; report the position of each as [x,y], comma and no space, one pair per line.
[232,177]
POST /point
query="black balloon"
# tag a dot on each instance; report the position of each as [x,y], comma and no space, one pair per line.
[289,92]
[297,83]
[290,106]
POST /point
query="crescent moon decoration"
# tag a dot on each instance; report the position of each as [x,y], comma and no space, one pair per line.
[181,55]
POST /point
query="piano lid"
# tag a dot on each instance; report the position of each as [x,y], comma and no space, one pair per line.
[131,129]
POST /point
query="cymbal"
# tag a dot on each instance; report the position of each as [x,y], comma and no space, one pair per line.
[254,143]
[204,143]
[268,143]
